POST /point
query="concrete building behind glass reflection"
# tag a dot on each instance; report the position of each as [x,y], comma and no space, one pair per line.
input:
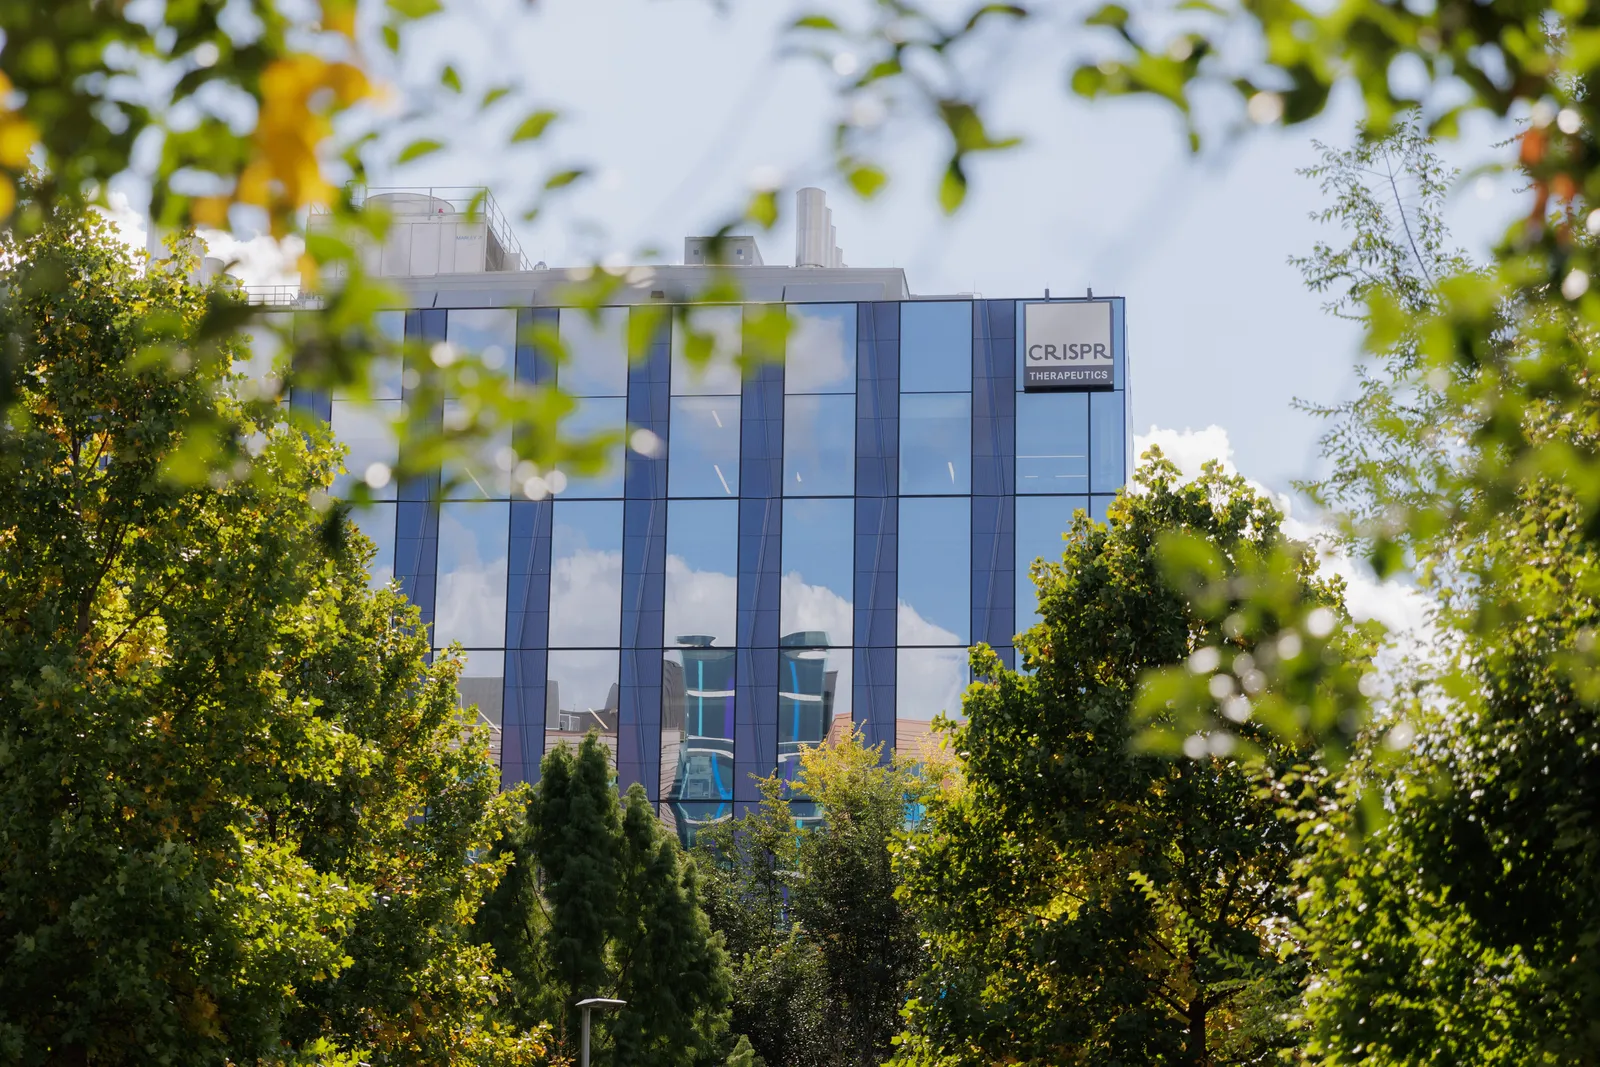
[810,548]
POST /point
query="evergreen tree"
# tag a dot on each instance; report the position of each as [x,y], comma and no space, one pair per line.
[603,903]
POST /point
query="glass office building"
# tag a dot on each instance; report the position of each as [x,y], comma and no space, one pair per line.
[797,552]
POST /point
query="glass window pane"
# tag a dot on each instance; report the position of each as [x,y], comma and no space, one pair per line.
[1041,520]
[482,685]
[818,573]
[1053,443]
[703,446]
[484,474]
[473,544]
[822,349]
[813,702]
[697,693]
[1108,445]
[928,681]
[720,376]
[702,601]
[262,362]
[586,574]
[597,352]
[935,564]
[935,346]
[1099,507]
[581,695]
[366,431]
[490,334]
[592,417]
[377,522]
[819,445]
[384,370]
[935,443]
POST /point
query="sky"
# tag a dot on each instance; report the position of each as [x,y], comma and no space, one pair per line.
[678,106]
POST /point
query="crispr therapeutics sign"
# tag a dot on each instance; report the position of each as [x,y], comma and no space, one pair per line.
[1067,345]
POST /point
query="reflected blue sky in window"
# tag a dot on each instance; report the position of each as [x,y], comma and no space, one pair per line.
[703,446]
[935,346]
[484,473]
[719,375]
[597,352]
[935,579]
[1053,443]
[384,370]
[366,431]
[377,522]
[819,445]
[1041,520]
[586,574]
[490,334]
[935,443]
[818,575]
[821,353]
[593,416]
[471,604]
[702,572]
[1108,445]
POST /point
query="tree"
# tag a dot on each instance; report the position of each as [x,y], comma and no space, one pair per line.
[237,807]
[602,902]
[824,945]
[1088,900]
[1461,926]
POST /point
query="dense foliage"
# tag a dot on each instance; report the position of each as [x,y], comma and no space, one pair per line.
[1088,901]
[1462,927]
[601,902]
[823,943]
[237,809]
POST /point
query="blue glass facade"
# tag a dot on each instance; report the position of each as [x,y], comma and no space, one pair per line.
[810,547]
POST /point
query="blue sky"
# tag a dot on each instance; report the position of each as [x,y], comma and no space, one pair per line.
[676,105]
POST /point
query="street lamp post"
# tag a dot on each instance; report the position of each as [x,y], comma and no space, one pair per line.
[602,1004]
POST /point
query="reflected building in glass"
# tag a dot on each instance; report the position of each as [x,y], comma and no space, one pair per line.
[811,548]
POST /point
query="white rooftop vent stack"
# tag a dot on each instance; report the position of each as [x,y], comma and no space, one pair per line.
[813,229]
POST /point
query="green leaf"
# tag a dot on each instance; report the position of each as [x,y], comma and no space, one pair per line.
[415,9]
[1114,15]
[494,96]
[867,180]
[533,127]
[763,208]
[450,79]
[1015,11]
[814,22]
[418,149]
[952,188]
[562,179]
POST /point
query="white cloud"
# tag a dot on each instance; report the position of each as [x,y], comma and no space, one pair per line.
[803,606]
[1398,605]
[1188,449]
[700,602]
[586,598]
[258,260]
